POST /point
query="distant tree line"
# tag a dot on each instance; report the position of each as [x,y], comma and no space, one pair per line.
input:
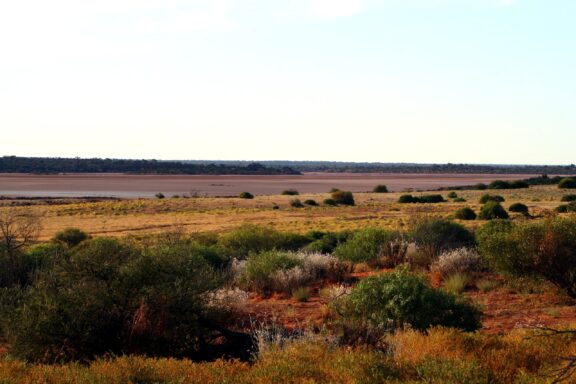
[45,165]
[329,166]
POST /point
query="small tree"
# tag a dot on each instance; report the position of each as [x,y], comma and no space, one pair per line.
[343,197]
[380,188]
[492,210]
[70,236]
[159,195]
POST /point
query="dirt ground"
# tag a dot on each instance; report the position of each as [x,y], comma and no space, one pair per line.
[134,186]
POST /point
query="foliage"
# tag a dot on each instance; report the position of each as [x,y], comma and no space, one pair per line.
[461,260]
[343,197]
[546,249]
[290,192]
[246,195]
[407,199]
[366,245]
[301,294]
[159,195]
[465,213]
[452,195]
[459,200]
[492,210]
[296,203]
[567,183]
[330,202]
[501,184]
[326,242]
[391,301]
[380,188]
[421,199]
[566,208]
[311,203]
[568,198]
[456,283]
[433,236]
[518,208]
[70,237]
[487,197]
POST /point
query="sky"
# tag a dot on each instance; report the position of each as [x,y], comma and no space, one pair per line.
[428,81]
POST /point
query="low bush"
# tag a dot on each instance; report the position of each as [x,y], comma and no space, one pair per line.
[369,245]
[452,195]
[434,236]
[343,197]
[311,203]
[459,200]
[296,203]
[567,183]
[492,210]
[462,260]
[380,188]
[159,195]
[290,192]
[518,208]
[326,242]
[421,199]
[70,237]
[407,199]
[487,197]
[465,213]
[544,249]
[568,198]
[567,208]
[260,268]
[391,301]
[330,202]
[246,195]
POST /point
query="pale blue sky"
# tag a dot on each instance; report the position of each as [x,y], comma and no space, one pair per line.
[477,81]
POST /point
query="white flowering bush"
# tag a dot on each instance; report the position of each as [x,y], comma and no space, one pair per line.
[461,260]
[227,299]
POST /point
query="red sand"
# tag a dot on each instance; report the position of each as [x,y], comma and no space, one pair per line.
[132,186]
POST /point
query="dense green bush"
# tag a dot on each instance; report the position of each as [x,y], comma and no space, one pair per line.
[365,245]
[296,203]
[459,200]
[249,238]
[311,203]
[568,198]
[452,195]
[394,300]
[567,183]
[326,242]
[519,208]
[70,236]
[407,199]
[492,210]
[290,192]
[433,236]
[487,197]
[260,267]
[546,249]
[465,213]
[343,197]
[421,199]
[380,188]
[159,195]
[330,202]
[109,297]
[246,195]
[501,184]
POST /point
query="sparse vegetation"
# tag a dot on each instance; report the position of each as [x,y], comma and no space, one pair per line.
[311,203]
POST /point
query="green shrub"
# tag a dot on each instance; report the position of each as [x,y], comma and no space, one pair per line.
[343,197]
[296,203]
[433,236]
[365,245]
[480,187]
[459,200]
[544,249]
[501,184]
[394,300]
[487,197]
[431,199]
[290,192]
[465,213]
[492,210]
[258,274]
[246,195]
[452,195]
[159,195]
[380,188]
[407,199]
[568,198]
[519,208]
[326,242]
[70,236]
[311,203]
[330,202]
[566,208]
[567,183]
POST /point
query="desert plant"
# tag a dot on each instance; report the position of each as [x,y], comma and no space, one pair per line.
[456,283]
[296,203]
[487,197]
[518,208]
[465,213]
[365,245]
[452,195]
[301,294]
[431,199]
[343,197]
[391,301]
[407,199]
[462,260]
[330,202]
[492,210]
[433,236]
[311,203]
[459,200]
[290,192]
[70,236]
[246,195]
[568,198]
[259,270]
[567,183]
[380,188]
[486,285]
[566,208]
[159,195]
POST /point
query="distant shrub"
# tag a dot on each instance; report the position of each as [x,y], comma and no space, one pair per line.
[465,213]
[159,195]
[452,195]
[459,200]
[407,199]
[480,187]
[568,198]
[492,210]
[326,242]
[519,208]
[391,301]
[566,208]
[70,236]
[486,198]
[434,236]
[290,192]
[330,202]
[567,183]
[275,206]
[332,190]
[246,195]
[311,203]
[546,249]
[296,203]
[343,197]
[501,184]
[380,188]
[421,199]
[366,245]
[463,260]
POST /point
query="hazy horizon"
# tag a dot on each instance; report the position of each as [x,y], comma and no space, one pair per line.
[390,81]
